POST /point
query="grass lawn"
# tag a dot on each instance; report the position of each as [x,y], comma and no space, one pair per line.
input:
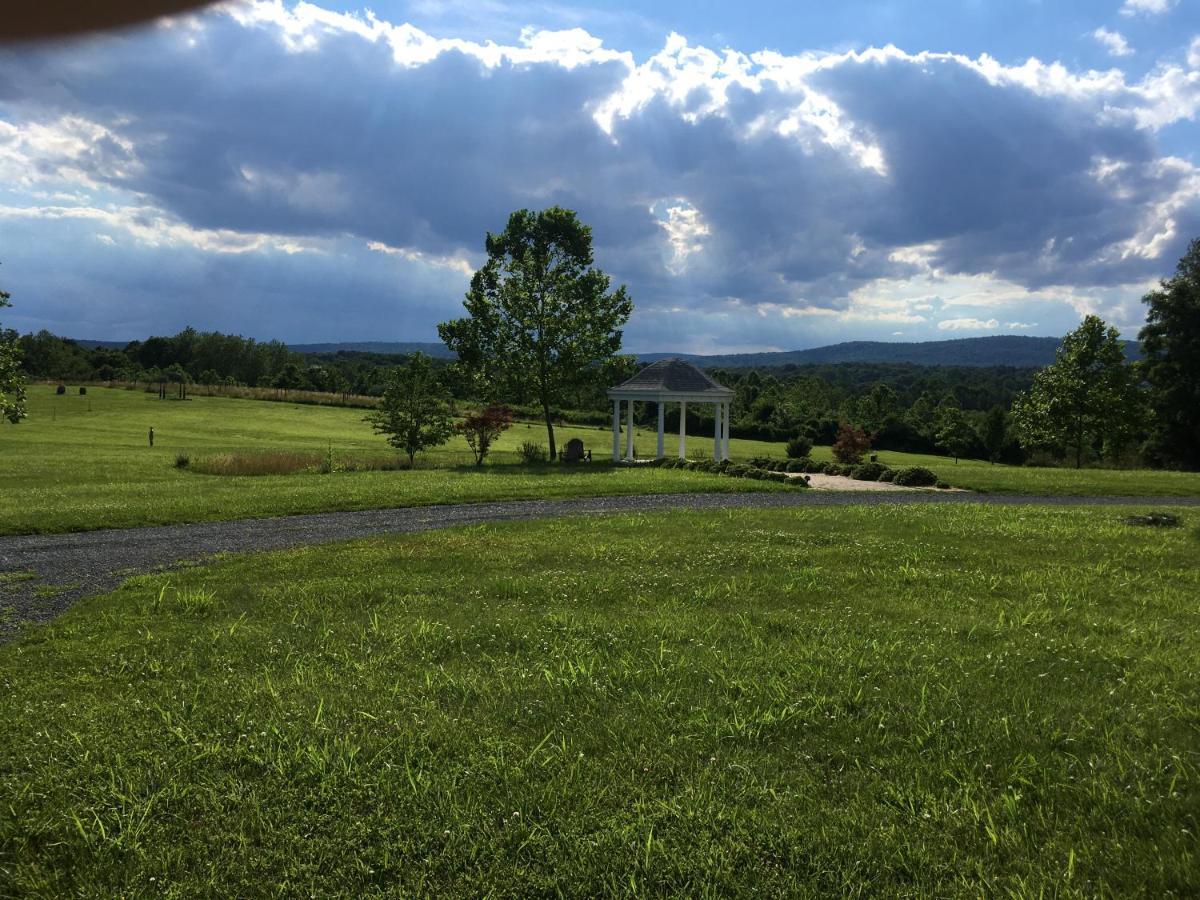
[953,701]
[980,475]
[83,462]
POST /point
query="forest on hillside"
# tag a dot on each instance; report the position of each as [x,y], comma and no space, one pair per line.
[898,402]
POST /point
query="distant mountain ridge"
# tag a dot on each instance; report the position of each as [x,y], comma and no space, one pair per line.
[429,348]
[1013,350]
[1016,351]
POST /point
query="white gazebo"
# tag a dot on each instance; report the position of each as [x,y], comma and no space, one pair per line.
[671,381]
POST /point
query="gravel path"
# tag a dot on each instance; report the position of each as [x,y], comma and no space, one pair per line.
[47,573]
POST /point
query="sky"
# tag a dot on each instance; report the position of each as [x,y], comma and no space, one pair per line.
[771,175]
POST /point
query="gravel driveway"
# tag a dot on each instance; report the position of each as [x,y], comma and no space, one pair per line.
[47,573]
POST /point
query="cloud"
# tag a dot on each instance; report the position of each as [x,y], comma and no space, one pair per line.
[1113,41]
[1020,326]
[1146,7]
[774,198]
[967,324]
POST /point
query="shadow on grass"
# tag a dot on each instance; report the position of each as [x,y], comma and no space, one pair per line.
[540,469]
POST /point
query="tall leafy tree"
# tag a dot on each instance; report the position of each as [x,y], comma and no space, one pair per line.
[1086,399]
[12,383]
[954,432]
[414,411]
[539,313]
[877,407]
[994,432]
[1171,347]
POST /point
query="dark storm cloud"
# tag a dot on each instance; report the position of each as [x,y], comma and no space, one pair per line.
[777,189]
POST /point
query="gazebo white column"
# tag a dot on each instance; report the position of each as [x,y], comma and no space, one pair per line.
[718,429]
[616,430]
[725,439]
[682,429]
[629,431]
[661,426]
[670,381]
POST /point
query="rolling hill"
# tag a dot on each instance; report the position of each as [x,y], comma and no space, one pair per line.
[1017,351]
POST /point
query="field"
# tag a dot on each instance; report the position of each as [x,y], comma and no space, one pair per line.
[83,462]
[979,475]
[953,701]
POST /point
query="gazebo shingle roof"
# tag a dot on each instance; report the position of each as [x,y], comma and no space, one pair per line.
[672,375]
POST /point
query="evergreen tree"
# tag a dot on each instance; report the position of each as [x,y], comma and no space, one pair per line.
[1171,347]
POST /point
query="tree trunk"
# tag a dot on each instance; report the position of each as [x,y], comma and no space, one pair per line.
[549,429]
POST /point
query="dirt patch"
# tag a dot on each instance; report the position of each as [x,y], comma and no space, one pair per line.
[820,482]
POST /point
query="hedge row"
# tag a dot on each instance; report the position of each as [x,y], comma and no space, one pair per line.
[909,476]
[732,469]
[763,468]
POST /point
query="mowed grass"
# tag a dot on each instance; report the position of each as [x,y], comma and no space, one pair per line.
[887,702]
[80,463]
[980,475]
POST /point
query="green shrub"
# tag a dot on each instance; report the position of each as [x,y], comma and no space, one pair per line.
[61,389]
[942,485]
[760,462]
[781,477]
[869,471]
[82,391]
[798,465]
[817,467]
[915,476]
[182,460]
[799,447]
[801,482]
[887,474]
[737,470]
[532,452]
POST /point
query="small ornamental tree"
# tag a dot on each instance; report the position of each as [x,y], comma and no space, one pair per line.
[482,428]
[851,444]
[414,411]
